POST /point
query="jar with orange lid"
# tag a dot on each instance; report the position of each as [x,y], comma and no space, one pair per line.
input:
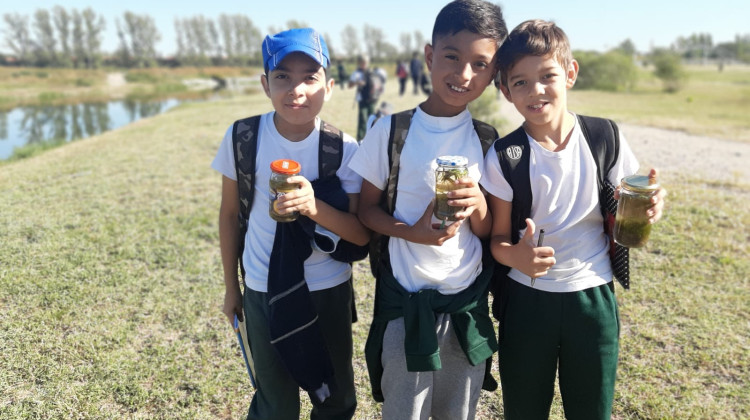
[281,170]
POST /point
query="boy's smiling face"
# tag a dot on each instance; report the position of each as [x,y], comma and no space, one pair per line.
[297,88]
[537,87]
[462,66]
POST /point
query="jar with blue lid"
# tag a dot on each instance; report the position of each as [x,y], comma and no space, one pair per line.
[449,170]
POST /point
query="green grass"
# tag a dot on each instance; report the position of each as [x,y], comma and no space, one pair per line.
[711,103]
[111,285]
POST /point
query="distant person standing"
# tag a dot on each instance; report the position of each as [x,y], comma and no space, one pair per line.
[342,74]
[369,83]
[402,73]
[416,71]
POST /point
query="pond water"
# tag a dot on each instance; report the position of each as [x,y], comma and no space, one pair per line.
[38,124]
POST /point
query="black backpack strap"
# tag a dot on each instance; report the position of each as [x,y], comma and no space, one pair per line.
[603,138]
[330,150]
[245,147]
[514,153]
[487,134]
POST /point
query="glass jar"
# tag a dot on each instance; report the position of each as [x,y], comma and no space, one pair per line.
[449,170]
[632,227]
[281,170]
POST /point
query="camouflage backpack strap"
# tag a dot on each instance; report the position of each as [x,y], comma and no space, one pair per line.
[245,147]
[330,150]
[400,123]
[603,138]
[487,134]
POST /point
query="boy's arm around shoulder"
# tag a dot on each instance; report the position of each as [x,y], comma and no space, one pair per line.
[229,237]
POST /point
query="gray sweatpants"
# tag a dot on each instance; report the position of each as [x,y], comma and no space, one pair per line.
[451,393]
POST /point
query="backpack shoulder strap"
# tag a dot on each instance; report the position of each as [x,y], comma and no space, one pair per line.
[245,142]
[330,150]
[513,152]
[487,134]
[400,123]
[603,138]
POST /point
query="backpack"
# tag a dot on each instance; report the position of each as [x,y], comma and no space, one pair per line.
[330,155]
[400,123]
[401,71]
[373,87]
[603,138]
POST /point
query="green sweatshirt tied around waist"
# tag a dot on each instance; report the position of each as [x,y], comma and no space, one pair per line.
[470,318]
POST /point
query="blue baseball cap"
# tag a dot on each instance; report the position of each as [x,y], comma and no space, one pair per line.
[304,40]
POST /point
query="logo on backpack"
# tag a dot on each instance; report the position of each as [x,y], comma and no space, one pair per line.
[514,152]
[373,87]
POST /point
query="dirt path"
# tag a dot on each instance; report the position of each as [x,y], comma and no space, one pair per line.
[116,80]
[677,154]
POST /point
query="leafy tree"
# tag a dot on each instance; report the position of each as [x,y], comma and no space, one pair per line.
[17,36]
[350,41]
[626,47]
[138,36]
[405,39]
[62,23]
[78,39]
[668,68]
[696,46]
[612,71]
[419,42]
[374,39]
[45,48]
[94,25]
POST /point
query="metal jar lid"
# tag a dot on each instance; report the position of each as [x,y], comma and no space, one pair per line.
[452,161]
[640,184]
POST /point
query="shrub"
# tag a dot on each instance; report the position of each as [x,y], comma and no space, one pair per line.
[668,68]
[487,109]
[612,71]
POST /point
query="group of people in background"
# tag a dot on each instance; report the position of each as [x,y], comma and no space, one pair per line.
[414,69]
[430,348]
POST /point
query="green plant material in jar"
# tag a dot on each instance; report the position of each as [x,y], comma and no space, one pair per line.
[450,169]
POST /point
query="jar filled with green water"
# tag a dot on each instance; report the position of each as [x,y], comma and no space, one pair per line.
[449,170]
[632,227]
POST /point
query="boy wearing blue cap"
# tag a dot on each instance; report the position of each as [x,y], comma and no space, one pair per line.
[315,355]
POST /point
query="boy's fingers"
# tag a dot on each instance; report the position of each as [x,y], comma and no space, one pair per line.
[530,230]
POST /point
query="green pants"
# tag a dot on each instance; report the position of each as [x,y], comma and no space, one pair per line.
[577,333]
[365,110]
[277,395]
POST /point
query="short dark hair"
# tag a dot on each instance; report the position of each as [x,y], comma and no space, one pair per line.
[534,37]
[477,16]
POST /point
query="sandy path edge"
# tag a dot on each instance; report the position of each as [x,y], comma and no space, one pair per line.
[676,154]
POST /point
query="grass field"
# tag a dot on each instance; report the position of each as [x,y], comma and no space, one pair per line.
[111,285]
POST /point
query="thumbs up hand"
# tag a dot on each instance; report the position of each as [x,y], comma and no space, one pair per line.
[534,261]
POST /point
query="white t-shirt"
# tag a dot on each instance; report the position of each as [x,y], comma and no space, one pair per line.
[449,268]
[566,205]
[321,271]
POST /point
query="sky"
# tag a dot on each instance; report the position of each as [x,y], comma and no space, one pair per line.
[590,24]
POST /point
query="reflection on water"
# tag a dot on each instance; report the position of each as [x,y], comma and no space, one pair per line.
[38,124]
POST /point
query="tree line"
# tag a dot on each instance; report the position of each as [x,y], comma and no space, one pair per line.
[63,37]
[73,38]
